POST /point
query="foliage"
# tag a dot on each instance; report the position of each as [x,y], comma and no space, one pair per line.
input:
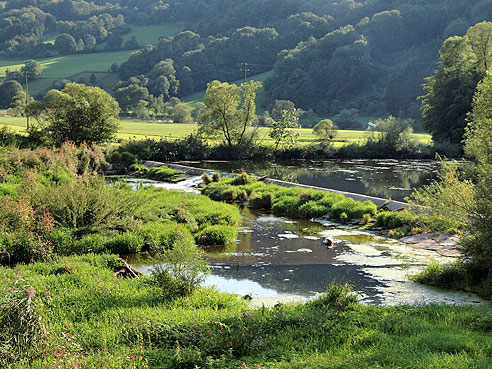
[325,130]
[230,112]
[80,114]
[184,268]
[462,198]
[219,234]
[295,202]
[463,63]
[281,131]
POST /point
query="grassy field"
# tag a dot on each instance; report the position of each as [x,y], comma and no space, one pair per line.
[93,319]
[61,67]
[140,130]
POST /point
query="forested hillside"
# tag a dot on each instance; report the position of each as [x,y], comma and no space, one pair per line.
[326,55]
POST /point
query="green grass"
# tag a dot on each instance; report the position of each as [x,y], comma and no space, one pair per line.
[141,129]
[150,34]
[61,67]
[92,317]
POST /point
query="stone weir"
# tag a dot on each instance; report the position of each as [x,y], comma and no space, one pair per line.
[380,202]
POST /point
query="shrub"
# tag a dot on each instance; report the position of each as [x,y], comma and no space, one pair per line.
[164,173]
[242,195]
[286,205]
[218,234]
[22,329]
[241,179]
[159,237]
[312,209]
[261,200]
[91,243]
[216,177]
[62,240]
[184,268]
[115,157]
[125,243]
[128,158]
[88,205]
[345,206]
[206,179]
[338,297]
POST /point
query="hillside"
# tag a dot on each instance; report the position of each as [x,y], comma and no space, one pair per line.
[325,56]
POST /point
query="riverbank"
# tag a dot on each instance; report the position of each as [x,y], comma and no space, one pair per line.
[91,318]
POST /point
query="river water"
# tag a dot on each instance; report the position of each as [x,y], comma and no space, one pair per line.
[282,259]
[389,179]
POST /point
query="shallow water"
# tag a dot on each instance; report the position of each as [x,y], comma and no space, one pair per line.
[278,257]
[390,179]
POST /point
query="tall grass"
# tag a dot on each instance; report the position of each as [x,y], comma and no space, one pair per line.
[93,319]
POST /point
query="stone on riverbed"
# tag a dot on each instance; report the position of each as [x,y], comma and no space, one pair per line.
[443,244]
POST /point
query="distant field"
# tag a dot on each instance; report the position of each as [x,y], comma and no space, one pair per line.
[140,130]
[61,67]
[150,34]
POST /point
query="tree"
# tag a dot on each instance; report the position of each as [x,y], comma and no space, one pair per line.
[65,44]
[480,39]
[325,130]
[128,97]
[230,112]
[281,131]
[9,90]
[465,202]
[80,114]
[450,91]
[32,68]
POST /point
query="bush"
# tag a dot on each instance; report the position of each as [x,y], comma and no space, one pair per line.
[218,234]
[216,177]
[261,200]
[285,205]
[62,240]
[184,268]
[206,179]
[125,243]
[159,237]
[165,174]
[338,297]
[91,243]
[241,179]
[312,209]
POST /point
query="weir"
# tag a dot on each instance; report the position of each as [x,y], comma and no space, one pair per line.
[380,202]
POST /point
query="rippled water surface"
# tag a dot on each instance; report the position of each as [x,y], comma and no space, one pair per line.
[380,178]
[278,257]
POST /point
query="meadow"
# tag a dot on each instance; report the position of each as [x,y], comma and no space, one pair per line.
[146,129]
[81,315]
[62,67]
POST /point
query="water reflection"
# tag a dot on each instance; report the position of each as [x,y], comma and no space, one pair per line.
[381,178]
[275,257]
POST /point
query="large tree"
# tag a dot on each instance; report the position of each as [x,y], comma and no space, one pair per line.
[230,112]
[463,63]
[80,113]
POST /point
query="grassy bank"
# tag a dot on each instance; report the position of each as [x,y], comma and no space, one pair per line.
[81,315]
[54,203]
[305,203]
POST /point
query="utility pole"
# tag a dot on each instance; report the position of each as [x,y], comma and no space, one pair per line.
[27,102]
[245,70]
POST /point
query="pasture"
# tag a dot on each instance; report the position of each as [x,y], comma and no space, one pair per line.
[147,129]
[66,66]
